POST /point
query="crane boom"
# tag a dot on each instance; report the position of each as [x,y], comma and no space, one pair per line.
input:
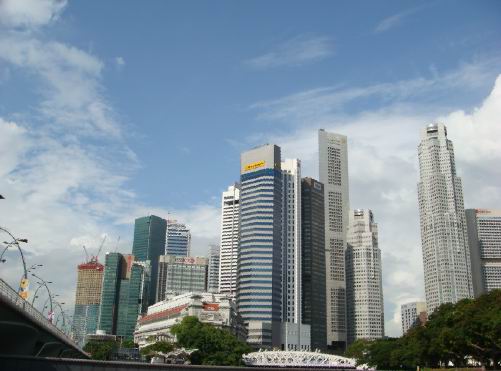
[86,254]
[101,246]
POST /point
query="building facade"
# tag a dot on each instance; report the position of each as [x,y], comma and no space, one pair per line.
[313,261]
[484,239]
[216,309]
[87,299]
[124,294]
[413,314]
[333,172]
[295,335]
[148,245]
[446,255]
[213,269]
[179,274]
[178,239]
[364,289]
[259,285]
[230,237]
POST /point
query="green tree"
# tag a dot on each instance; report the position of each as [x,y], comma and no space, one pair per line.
[100,350]
[215,346]
[128,344]
[160,346]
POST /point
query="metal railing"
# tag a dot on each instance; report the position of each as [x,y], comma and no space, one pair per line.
[9,294]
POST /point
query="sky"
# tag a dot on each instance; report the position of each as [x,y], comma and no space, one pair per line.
[119,109]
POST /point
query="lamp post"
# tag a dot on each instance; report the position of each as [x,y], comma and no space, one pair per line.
[44,283]
[23,285]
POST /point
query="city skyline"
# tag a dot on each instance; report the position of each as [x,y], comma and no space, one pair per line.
[56,198]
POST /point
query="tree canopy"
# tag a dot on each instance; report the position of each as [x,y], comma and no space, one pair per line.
[454,333]
[215,346]
[101,350]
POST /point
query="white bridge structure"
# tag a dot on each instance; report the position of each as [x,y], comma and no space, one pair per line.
[280,358]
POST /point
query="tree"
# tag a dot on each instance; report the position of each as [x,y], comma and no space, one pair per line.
[160,346]
[128,344]
[101,350]
[215,346]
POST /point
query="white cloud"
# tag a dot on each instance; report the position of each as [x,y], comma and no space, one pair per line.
[295,52]
[30,13]
[395,20]
[120,62]
[383,157]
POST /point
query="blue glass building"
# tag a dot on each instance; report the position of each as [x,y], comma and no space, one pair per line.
[259,259]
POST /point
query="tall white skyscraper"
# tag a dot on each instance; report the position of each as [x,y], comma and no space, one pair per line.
[213,269]
[364,289]
[295,336]
[230,232]
[333,173]
[446,256]
[178,241]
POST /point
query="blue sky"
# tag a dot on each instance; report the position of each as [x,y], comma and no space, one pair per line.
[111,110]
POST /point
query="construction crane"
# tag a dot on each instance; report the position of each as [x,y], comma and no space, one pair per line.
[86,254]
[118,242]
[100,248]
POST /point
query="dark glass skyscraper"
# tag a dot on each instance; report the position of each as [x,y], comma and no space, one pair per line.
[313,261]
[149,244]
[124,294]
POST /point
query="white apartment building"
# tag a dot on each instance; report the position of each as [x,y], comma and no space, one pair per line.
[333,173]
[446,255]
[230,229]
[364,289]
[412,314]
[295,335]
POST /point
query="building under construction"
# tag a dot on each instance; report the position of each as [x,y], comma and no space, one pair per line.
[88,298]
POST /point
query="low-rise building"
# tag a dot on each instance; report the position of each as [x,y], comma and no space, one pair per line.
[216,309]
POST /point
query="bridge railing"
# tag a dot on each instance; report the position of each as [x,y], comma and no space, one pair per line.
[12,296]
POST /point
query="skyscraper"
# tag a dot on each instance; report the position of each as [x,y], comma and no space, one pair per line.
[333,171]
[313,261]
[446,256]
[124,295]
[149,244]
[87,299]
[181,274]
[213,269]
[484,238]
[230,235]
[295,336]
[259,287]
[412,314]
[178,239]
[364,289]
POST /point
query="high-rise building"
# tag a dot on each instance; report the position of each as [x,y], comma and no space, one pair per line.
[313,261]
[230,235]
[446,255]
[484,238]
[87,299]
[259,286]
[333,172]
[413,314]
[364,289]
[180,274]
[295,335]
[124,294]
[213,270]
[178,239]
[149,244]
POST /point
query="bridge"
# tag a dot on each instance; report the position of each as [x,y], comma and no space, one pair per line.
[24,331]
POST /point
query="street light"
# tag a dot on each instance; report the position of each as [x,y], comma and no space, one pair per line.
[44,283]
[2,197]
[15,241]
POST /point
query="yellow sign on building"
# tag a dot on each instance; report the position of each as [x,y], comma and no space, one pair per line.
[254,165]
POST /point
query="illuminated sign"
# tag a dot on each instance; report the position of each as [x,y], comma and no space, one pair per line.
[254,165]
